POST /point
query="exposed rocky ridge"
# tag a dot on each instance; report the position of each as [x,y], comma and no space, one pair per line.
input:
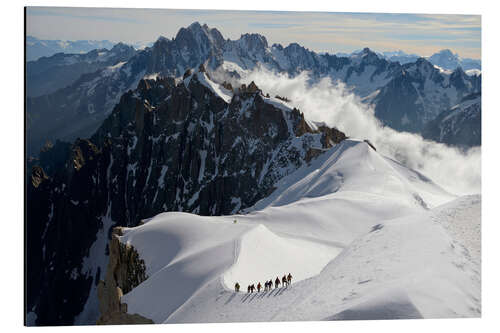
[125,271]
[167,146]
[444,59]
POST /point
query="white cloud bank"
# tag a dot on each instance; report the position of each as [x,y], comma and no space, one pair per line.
[458,172]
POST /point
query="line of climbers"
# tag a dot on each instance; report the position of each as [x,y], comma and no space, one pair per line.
[268,285]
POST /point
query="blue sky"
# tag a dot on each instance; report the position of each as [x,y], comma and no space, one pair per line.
[332,32]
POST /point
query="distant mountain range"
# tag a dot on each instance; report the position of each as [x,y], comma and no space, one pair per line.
[444,59]
[48,74]
[37,48]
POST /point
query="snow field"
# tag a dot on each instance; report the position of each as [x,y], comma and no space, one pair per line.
[363,236]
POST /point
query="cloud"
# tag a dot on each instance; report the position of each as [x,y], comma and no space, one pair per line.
[456,171]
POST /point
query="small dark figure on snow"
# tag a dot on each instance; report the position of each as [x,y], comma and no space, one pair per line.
[252,288]
[249,288]
[289,278]
[237,287]
[276,283]
[283,279]
[258,287]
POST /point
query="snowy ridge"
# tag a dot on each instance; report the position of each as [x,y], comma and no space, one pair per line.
[350,227]
[342,169]
[223,93]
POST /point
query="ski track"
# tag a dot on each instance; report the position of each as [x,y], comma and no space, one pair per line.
[359,248]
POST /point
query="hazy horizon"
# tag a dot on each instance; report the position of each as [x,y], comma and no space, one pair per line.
[331,32]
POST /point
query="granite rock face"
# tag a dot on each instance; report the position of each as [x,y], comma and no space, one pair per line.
[125,271]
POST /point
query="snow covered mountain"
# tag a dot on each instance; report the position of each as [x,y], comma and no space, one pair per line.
[458,126]
[400,56]
[419,93]
[37,48]
[48,74]
[363,236]
[451,61]
[78,109]
[444,59]
[169,145]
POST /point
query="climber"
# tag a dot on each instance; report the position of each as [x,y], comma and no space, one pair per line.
[237,287]
[276,283]
[289,278]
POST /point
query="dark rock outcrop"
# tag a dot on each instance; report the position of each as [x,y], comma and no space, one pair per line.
[125,271]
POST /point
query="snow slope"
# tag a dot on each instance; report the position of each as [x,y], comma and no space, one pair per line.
[353,228]
[404,268]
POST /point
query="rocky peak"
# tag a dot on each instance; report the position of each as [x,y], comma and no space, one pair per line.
[423,63]
[458,78]
[445,56]
[161,41]
[250,89]
[421,69]
[254,42]
[122,48]
[200,34]
[295,48]
[369,57]
[216,37]
[38,176]
[278,46]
